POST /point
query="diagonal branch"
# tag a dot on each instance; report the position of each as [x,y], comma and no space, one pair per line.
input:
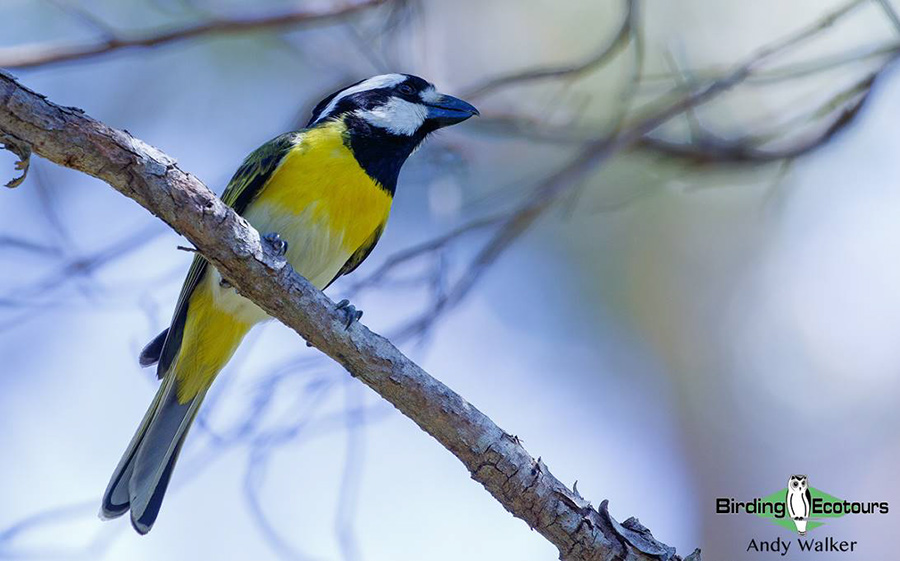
[496,459]
[27,56]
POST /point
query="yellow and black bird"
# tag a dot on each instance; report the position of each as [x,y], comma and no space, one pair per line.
[322,196]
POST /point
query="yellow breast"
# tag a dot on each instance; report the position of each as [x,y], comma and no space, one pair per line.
[321,174]
[322,203]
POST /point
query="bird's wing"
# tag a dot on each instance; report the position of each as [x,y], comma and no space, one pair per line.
[244,186]
[359,255]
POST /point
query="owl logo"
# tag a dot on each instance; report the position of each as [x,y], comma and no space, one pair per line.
[798,501]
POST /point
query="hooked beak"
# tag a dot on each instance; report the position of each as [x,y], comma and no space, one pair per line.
[447,110]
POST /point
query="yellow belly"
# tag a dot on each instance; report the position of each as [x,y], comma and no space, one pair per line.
[319,201]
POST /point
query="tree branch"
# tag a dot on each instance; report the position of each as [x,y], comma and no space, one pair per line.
[496,459]
[27,56]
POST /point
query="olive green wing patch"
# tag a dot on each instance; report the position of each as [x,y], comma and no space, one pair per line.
[256,170]
[244,186]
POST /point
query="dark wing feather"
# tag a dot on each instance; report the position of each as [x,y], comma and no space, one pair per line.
[152,351]
[246,184]
[359,255]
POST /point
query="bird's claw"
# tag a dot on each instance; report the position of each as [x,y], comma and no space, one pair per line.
[351,314]
[278,245]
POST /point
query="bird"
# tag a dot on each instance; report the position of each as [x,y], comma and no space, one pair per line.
[798,499]
[321,196]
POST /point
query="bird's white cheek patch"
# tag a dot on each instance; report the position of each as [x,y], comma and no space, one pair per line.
[397,116]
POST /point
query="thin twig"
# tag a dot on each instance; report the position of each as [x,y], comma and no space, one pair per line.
[29,56]
[891,13]
[714,150]
[15,242]
[596,60]
[410,253]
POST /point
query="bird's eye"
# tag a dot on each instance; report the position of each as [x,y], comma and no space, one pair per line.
[406,89]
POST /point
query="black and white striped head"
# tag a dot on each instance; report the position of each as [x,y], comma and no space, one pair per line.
[395,104]
[386,117]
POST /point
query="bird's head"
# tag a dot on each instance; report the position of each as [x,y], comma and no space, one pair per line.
[386,117]
[398,105]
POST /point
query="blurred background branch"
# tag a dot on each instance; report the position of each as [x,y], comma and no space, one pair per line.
[619,41]
[30,56]
[703,149]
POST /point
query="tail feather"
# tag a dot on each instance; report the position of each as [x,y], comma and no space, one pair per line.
[189,354]
[143,520]
[157,455]
[116,499]
[142,476]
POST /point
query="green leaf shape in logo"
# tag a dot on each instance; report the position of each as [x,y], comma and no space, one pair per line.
[818,497]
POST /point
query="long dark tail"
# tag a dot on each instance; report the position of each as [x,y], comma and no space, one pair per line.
[140,480]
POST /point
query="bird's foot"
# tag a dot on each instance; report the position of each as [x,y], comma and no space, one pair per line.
[276,243]
[351,314]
